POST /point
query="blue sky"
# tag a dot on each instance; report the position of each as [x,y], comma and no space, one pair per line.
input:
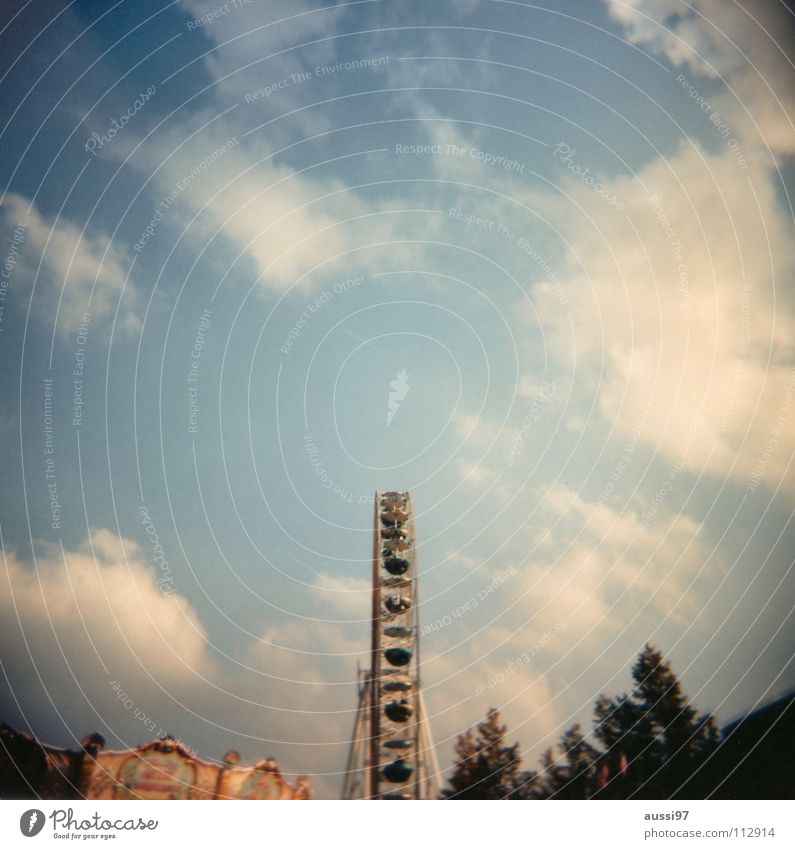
[227,230]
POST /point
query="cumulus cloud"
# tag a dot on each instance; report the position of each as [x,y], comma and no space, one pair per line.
[67,610]
[746,44]
[528,646]
[568,573]
[586,585]
[476,430]
[461,688]
[290,224]
[244,40]
[80,627]
[648,560]
[273,215]
[75,271]
[680,320]
[343,595]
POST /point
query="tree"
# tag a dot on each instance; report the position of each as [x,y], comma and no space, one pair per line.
[655,742]
[487,768]
[573,775]
[622,729]
[652,744]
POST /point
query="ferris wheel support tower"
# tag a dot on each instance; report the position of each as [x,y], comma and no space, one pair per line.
[392,754]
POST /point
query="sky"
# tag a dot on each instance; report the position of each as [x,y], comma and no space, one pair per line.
[531,262]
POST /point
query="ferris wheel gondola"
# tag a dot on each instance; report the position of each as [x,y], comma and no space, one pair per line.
[392,755]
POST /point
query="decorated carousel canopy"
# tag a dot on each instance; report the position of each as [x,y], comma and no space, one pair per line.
[161,769]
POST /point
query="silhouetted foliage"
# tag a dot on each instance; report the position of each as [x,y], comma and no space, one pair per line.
[572,775]
[486,767]
[654,740]
[652,744]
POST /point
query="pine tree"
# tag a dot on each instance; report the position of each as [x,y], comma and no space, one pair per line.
[623,730]
[573,775]
[487,768]
[654,745]
[654,740]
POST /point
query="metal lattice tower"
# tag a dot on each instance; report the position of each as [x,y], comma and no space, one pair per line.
[392,754]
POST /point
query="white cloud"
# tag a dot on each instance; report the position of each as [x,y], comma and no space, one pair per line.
[271,213]
[476,474]
[746,43]
[477,431]
[460,689]
[247,35]
[535,389]
[589,587]
[583,557]
[79,272]
[343,595]
[682,298]
[289,224]
[69,611]
[260,46]
[96,616]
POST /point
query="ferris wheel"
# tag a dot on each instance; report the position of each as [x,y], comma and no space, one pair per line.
[392,754]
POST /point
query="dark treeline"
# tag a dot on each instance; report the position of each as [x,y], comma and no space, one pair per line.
[648,744]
